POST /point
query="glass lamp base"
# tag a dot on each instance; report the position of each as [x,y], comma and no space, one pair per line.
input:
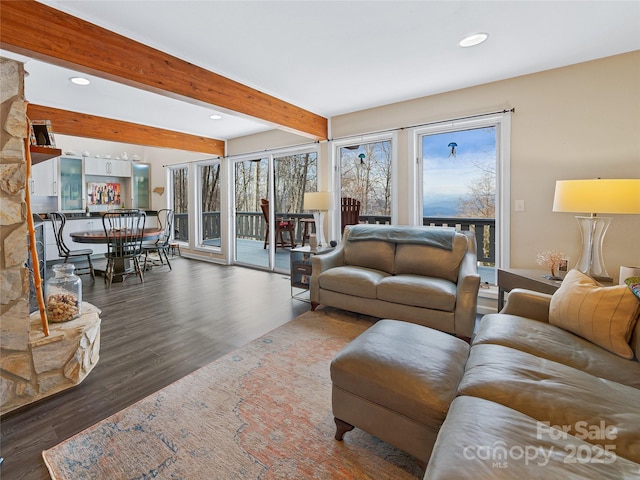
[590,261]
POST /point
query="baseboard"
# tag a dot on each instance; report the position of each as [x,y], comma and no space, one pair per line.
[487,300]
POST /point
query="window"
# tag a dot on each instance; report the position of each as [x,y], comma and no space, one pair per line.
[366,175]
[179,201]
[209,227]
[294,175]
[463,175]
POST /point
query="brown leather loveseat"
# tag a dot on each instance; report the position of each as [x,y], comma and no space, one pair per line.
[424,275]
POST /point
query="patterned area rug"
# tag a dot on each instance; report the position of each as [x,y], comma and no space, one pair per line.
[261,412]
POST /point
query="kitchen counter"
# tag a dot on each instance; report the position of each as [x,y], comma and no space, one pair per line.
[82,215]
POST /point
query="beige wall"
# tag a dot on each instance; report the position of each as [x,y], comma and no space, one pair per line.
[581,121]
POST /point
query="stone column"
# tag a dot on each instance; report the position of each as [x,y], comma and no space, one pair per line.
[32,366]
[15,358]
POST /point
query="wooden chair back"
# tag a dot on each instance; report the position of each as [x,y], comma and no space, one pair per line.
[58,221]
[350,212]
[124,230]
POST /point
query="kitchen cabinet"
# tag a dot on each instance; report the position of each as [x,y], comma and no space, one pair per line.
[107,168]
[140,185]
[73,225]
[71,184]
[44,178]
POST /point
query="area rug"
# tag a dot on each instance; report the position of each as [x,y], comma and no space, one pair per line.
[260,412]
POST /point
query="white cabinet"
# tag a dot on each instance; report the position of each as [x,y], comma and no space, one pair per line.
[73,225]
[44,178]
[107,168]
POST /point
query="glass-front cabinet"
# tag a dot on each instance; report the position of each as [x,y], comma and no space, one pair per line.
[140,185]
[71,191]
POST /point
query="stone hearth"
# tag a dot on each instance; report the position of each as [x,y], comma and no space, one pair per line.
[51,364]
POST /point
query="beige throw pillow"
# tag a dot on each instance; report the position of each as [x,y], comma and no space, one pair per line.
[603,315]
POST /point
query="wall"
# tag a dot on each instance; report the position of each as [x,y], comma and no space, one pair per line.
[581,121]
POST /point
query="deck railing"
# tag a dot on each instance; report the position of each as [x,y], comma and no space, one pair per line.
[252,226]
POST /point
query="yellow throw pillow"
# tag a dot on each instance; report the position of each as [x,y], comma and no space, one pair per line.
[603,315]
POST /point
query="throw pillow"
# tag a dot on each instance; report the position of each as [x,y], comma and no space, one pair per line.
[603,315]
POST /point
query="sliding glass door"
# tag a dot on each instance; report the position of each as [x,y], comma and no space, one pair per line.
[268,207]
[251,186]
[179,202]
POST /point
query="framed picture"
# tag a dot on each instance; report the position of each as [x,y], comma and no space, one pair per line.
[99,193]
[42,133]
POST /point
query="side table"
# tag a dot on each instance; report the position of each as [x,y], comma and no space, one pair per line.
[510,278]
[301,270]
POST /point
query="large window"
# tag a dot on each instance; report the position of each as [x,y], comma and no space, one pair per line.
[464,174]
[459,186]
[210,204]
[179,201]
[366,175]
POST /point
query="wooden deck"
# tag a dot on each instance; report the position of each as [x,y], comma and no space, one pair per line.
[252,252]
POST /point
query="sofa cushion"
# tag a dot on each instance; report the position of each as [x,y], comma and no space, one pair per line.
[553,343]
[604,315]
[551,392]
[418,291]
[482,440]
[370,254]
[349,280]
[431,261]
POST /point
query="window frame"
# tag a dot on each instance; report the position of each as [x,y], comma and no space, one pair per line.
[170,197]
[336,180]
[502,123]
[198,228]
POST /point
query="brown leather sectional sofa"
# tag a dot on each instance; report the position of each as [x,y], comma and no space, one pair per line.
[537,401]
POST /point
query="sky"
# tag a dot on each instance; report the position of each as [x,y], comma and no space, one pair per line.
[446,175]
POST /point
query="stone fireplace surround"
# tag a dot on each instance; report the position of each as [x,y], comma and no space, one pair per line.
[32,365]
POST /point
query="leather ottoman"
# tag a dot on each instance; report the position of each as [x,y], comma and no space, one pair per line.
[396,381]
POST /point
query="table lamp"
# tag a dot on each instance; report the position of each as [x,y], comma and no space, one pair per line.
[594,196]
[318,203]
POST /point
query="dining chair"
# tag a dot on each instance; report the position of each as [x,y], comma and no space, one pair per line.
[161,245]
[58,221]
[124,230]
[282,226]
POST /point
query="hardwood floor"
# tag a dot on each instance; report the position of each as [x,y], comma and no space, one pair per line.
[152,335]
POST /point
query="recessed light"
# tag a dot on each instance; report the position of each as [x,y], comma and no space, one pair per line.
[473,40]
[215,116]
[80,80]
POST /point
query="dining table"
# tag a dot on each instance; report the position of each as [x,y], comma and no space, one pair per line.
[122,265]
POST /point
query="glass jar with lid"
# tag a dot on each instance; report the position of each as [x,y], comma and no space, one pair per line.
[63,294]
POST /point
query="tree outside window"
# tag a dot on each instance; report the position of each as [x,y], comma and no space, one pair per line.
[366,176]
[179,182]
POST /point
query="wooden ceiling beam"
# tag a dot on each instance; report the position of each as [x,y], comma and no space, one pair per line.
[91,126]
[39,31]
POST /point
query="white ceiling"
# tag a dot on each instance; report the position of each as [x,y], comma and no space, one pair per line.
[334,57]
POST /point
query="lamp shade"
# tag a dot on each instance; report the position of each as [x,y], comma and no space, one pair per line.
[597,196]
[322,201]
